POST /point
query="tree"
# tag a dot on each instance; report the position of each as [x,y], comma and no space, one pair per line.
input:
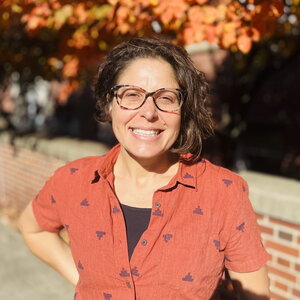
[69,35]
[63,39]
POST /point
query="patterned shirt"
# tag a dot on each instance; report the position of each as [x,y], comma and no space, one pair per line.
[201,222]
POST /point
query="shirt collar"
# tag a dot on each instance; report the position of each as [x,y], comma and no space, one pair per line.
[186,175]
[109,160]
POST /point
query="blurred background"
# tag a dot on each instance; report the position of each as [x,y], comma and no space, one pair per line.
[249,51]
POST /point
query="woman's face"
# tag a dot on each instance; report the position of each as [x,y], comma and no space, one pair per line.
[146,133]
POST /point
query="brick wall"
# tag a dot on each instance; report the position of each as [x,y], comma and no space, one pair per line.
[29,162]
[23,171]
[282,241]
[276,201]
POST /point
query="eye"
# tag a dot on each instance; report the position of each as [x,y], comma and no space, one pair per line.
[168,97]
[131,94]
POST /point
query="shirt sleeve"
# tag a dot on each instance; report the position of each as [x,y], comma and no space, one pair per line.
[47,203]
[244,251]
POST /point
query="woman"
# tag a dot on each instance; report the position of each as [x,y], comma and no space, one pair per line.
[150,219]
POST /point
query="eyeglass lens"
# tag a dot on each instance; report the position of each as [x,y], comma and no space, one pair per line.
[133,97]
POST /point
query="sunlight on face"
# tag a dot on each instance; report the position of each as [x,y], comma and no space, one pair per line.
[147,132]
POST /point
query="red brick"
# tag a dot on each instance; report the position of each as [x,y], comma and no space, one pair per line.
[259,216]
[25,173]
[296,293]
[297,267]
[283,262]
[275,296]
[282,248]
[282,274]
[267,230]
[298,240]
[281,286]
[284,223]
[285,235]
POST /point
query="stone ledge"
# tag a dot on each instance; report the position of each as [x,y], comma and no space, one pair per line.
[274,196]
[63,148]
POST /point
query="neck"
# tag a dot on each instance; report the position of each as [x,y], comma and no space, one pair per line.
[141,169]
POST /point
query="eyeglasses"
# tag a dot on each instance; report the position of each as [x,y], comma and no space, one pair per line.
[133,97]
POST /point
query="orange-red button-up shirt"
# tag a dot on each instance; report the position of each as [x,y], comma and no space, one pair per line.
[201,222]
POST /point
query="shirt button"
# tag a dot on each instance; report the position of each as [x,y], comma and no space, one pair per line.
[144,242]
[128,284]
[157,205]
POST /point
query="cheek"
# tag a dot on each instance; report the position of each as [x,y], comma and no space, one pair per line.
[120,118]
[109,110]
[177,128]
[177,124]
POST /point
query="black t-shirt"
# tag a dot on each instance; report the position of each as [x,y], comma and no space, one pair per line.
[136,220]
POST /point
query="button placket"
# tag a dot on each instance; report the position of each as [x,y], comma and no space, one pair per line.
[149,236]
[120,245]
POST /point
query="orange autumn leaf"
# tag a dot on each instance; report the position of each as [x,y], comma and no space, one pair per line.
[211,33]
[166,17]
[123,28]
[71,66]
[228,38]
[194,14]
[84,26]
[198,33]
[221,10]
[209,14]
[42,10]
[201,2]
[34,22]
[188,35]
[123,12]
[255,34]
[81,13]
[113,2]
[244,43]
[171,10]
[252,32]
[277,8]
[79,40]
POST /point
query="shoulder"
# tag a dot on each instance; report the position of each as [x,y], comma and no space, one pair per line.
[217,171]
[81,166]
[221,177]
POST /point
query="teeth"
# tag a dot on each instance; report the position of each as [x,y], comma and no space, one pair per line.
[146,132]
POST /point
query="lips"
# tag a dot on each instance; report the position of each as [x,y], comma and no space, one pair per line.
[146,132]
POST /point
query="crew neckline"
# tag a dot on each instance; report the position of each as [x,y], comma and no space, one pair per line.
[134,208]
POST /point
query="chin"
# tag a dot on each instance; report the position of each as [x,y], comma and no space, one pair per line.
[146,154]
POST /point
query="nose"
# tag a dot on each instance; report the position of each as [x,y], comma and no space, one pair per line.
[149,110]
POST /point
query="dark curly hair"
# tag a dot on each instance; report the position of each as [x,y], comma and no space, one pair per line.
[196,122]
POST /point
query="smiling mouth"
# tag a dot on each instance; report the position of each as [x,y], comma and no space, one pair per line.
[143,132]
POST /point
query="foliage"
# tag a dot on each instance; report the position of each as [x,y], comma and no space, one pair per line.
[71,35]
[55,39]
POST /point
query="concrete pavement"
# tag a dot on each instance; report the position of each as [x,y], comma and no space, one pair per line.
[23,276]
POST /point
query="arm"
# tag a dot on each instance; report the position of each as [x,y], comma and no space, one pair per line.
[47,246]
[252,285]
